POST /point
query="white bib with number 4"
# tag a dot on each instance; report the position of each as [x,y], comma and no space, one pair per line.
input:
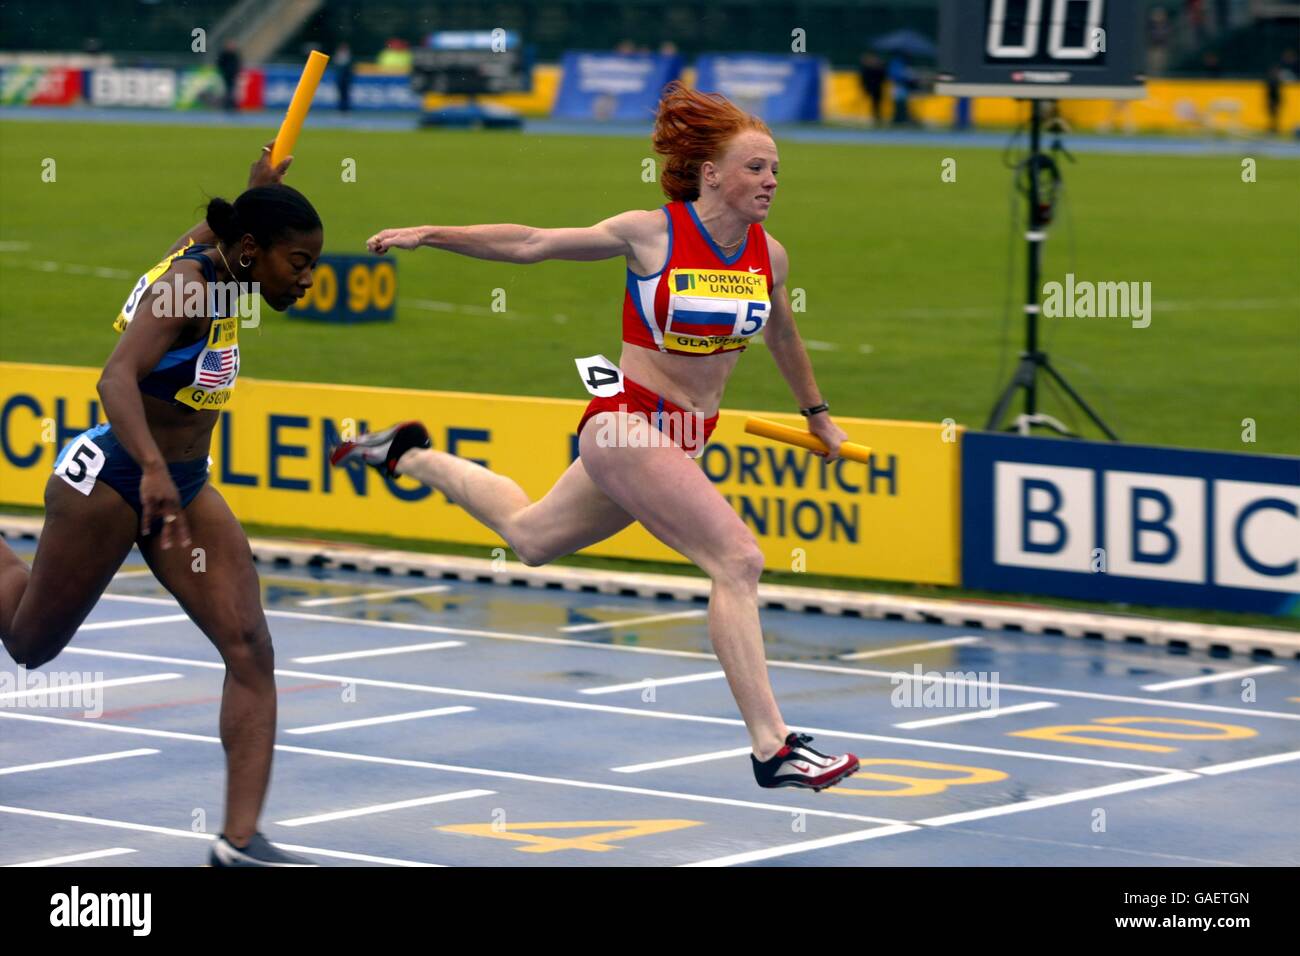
[81,465]
[602,377]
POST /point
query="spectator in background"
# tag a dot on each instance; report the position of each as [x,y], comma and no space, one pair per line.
[228,67]
[1289,66]
[1158,31]
[341,61]
[871,73]
[1273,92]
[1195,13]
[395,57]
[901,82]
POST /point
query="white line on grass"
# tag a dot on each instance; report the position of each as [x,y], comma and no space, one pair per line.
[385,807]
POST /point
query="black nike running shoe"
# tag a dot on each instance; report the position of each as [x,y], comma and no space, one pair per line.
[382,450]
[798,765]
[259,852]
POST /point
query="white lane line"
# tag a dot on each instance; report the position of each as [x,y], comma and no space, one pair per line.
[74,761]
[375,595]
[151,658]
[1176,776]
[907,648]
[661,682]
[133,622]
[682,761]
[190,835]
[98,724]
[648,619]
[1218,768]
[654,714]
[75,857]
[770,853]
[455,768]
[1213,678]
[61,689]
[378,652]
[1023,806]
[385,807]
[892,676]
[133,574]
[976,715]
[372,721]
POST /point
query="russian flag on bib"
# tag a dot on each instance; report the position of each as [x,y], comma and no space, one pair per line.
[701,301]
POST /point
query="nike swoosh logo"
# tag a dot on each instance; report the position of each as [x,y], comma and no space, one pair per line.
[804,769]
[752,269]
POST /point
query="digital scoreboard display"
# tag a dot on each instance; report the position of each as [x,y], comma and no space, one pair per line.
[1041,49]
[472,62]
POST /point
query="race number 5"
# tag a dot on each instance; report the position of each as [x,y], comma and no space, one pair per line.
[81,465]
[600,376]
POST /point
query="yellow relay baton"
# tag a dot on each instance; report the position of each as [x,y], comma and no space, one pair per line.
[298,107]
[797,436]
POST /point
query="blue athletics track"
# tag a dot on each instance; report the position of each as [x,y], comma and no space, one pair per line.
[429,722]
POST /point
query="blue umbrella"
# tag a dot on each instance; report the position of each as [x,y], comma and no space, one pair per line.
[905,41]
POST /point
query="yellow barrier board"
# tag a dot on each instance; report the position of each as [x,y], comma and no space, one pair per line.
[894,518]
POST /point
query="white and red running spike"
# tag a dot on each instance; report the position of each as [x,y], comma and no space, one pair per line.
[382,450]
[798,765]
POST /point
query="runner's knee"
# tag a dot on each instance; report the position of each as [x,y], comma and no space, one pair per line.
[32,648]
[739,561]
[247,650]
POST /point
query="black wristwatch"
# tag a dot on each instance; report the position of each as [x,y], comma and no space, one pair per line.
[815,410]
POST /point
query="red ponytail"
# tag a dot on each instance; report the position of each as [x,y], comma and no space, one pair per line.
[692,127]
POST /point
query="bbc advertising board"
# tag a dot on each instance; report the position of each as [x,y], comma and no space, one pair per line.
[1131,523]
[895,518]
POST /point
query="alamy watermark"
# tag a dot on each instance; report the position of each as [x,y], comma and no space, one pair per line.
[950,689]
[192,299]
[680,428]
[71,690]
[1102,300]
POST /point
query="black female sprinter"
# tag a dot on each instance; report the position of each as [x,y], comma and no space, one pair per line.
[141,478]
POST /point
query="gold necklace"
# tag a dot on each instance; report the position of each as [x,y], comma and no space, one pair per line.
[223,260]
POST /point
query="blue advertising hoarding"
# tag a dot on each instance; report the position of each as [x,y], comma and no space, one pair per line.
[777,88]
[1131,523]
[614,86]
[368,91]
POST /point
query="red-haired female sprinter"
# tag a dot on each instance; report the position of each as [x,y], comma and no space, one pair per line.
[703,277]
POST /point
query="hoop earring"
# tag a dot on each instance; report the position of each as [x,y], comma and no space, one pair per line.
[247,264]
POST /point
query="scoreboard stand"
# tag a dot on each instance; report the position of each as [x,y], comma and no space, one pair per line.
[1039,50]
